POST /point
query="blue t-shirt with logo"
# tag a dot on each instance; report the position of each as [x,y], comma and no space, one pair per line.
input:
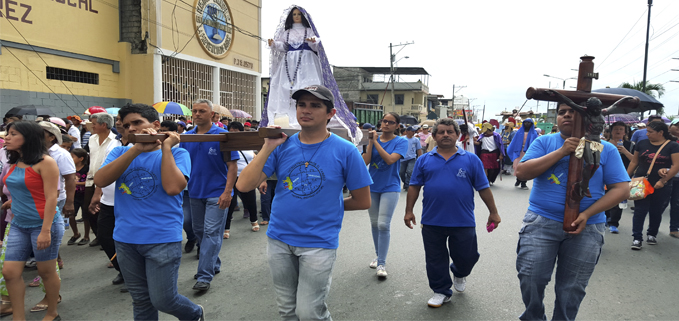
[413,145]
[309,205]
[208,174]
[448,196]
[385,177]
[144,212]
[548,197]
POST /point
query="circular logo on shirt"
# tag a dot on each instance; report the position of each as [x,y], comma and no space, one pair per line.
[304,181]
[139,183]
[380,165]
[213,26]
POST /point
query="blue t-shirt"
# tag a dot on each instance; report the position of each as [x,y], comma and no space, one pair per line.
[208,174]
[144,212]
[639,135]
[548,197]
[385,177]
[309,206]
[413,145]
[448,196]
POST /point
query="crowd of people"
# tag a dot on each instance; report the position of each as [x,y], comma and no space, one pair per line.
[53,169]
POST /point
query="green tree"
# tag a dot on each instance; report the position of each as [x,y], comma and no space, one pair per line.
[653,90]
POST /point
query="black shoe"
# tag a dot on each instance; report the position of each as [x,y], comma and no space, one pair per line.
[189,246]
[118,279]
[124,289]
[201,286]
[202,313]
[636,245]
[517,183]
[524,186]
[95,242]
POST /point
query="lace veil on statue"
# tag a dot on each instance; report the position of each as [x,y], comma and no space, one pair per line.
[343,118]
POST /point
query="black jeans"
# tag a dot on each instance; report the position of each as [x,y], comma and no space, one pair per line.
[267,199]
[674,206]
[613,215]
[653,205]
[107,222]
[443,244]
[249,202]
[92,218]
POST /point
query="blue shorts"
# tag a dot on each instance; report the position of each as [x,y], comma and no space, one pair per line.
[21,241]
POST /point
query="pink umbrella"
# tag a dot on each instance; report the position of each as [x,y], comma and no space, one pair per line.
[237,113]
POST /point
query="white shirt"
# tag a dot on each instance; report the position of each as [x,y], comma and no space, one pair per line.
[488,143]
[98,154]
[66,167]
[73,131]
[109,192]
[246,157]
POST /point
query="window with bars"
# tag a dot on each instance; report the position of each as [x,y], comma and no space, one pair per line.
[72,75]
[185,81]
[237,91]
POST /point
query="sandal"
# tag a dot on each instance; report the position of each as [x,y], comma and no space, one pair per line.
[255,226]
[35,283]
[42,306]
[73,239]
[6,309]
[264,223]
[226,234]
[84,241]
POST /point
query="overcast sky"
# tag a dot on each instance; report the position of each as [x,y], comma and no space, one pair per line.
[497,49]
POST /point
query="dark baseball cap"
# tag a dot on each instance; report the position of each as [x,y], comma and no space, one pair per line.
[319,92]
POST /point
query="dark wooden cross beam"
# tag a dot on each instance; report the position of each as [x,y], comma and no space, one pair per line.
[580,96]
[233,141]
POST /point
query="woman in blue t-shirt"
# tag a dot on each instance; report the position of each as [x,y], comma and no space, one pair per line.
[382,157]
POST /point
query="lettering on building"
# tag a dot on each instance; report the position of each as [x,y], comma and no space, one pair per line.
[242,63]
[79,4]
[15,10]
[213,26]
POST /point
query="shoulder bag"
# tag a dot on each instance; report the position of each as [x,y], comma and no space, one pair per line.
[640,187]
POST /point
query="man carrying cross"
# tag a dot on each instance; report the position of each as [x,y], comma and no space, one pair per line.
[306,216]
[542,240]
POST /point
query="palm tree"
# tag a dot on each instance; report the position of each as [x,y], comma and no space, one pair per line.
[653,90]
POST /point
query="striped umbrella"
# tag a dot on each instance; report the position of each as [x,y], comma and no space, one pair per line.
[170,107]
[237,113]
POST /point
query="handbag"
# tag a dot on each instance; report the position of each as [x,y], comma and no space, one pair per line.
[640,187]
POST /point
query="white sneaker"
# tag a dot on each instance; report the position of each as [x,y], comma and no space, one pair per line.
[373,264]
[381,272]
[437,300]
[459,284]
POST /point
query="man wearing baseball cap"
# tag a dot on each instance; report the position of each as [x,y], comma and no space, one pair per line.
[312,166]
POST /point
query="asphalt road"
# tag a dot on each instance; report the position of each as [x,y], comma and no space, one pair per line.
[626,285]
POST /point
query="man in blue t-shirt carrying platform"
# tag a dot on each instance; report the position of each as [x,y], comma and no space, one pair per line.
[542,240]
[149,179]
[210,191]
[449,176]
[306,216]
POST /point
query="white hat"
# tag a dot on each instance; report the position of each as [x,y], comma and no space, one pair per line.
[425,126]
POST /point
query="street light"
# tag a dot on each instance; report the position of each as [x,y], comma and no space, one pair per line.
[564,80]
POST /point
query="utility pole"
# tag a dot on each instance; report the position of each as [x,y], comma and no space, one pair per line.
[392,59]
[453,103]
[648,27]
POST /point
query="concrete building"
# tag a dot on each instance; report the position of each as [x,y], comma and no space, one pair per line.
[371,85]
[73,54]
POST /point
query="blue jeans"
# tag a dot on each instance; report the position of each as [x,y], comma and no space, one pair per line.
[151,272]
[438,241]
[208,224]
[654,205]
[542,244]
[406,170]
[188,224]
[21,242]
[674,206]
[301,279]
[381,211]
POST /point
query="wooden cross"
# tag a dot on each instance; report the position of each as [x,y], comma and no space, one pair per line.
[233,141]
[575,166]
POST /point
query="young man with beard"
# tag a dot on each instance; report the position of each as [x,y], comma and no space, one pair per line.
[306,216]
[542,240]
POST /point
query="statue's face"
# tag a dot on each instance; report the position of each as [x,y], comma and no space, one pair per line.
[296,16]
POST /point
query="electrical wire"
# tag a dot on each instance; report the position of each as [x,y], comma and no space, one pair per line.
[623,38]
[36,76]
[43,60]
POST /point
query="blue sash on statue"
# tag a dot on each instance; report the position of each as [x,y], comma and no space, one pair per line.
[304,46]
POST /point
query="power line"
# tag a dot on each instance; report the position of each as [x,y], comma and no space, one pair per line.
[43,60]
[623,38]
[36,76]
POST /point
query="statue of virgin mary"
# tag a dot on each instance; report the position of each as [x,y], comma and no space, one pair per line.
[298,60]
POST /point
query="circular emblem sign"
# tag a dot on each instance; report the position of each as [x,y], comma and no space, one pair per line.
[213,26]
